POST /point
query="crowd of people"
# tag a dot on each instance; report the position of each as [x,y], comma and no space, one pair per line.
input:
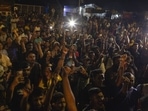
[99,65]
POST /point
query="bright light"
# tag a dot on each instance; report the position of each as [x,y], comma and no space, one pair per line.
[72,23]
[64,9]
[51,27]
[117,15]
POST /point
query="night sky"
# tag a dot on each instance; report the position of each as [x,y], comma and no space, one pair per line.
[128,5]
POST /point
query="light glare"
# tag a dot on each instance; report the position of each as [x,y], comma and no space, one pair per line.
[72,23]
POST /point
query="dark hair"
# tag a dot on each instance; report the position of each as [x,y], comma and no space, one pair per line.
[57,96]
[95,72]
[116,56]
[24,64]
[8,38]
[29,43]
[38,91]
[30,52]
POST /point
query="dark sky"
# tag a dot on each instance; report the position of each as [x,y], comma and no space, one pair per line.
[129,5]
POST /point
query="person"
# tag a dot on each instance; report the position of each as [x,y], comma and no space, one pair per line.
[29,46]
[2,50]
[17,83]
[2,86]
[129,96]
[39,99]
[96,80]
[96,100]
[111,76]
[3,34]
[5,61]
[46,59]
[47,74]
[68,94]
[58,102]
[113,79]
[144,99]
[12,47]
[35,73]
[36,100]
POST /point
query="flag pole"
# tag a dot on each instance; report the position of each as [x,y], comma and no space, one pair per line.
[79,3]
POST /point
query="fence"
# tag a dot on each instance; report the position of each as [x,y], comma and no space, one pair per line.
[22,8]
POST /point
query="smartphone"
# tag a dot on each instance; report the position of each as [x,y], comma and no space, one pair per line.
[37,40]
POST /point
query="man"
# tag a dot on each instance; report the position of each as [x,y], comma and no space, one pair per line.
[111,75]
[18,83]
[35,73]
[128,96]
[39,100]
[96,80]
[58,102]
[96,100]
[36,100]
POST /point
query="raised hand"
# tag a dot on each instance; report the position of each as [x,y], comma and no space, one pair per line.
[123,61]
[83,71]
[66,71]
[26,91]
[65,50]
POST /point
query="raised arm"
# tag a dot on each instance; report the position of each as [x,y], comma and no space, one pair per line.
[61,60]
[121,70]
[55,78]
[17,79]
[68,94]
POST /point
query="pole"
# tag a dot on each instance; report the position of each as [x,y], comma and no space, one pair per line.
[79,2]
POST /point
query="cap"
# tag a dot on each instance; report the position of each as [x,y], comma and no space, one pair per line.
[94,90]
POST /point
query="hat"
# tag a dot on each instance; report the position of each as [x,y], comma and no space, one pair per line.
[56,43]
[94,90]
